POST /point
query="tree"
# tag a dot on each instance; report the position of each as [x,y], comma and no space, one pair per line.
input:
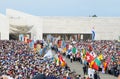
[94,15]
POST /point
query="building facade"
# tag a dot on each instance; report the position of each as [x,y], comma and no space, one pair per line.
[67,27]
[4,28]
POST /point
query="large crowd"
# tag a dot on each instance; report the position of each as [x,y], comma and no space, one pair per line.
[109,50]
[19,61]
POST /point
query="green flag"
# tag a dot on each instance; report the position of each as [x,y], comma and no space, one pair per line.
[74,50]
[97,61]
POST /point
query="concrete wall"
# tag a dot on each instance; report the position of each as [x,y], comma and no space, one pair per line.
[20,19]
[4,28]
[106,28]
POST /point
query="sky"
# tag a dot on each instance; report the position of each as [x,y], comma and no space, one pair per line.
[101,8]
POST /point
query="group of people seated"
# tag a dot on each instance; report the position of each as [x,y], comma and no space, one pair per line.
[18,60]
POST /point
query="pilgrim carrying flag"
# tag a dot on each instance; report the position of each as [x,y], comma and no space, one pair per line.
[93,34]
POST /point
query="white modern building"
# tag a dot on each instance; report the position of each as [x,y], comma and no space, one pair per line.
[4,27]
[38,27]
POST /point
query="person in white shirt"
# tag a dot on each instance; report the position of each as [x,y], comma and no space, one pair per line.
[6,77]
[91,72]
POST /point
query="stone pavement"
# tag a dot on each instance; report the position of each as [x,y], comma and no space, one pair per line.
[76,66]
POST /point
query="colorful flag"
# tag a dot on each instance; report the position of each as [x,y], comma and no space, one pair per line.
[74,50]
[57,61]
[62,62]
[95,66]
[97,61]
[93,34]
[92,53]
[105,65]
[84,52]
[100,57]
[89,57]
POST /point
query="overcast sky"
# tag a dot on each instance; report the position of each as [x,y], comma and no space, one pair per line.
[108,8]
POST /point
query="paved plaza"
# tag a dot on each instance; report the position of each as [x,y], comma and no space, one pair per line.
[78,68]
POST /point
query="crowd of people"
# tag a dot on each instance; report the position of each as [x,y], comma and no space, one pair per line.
[109,50]
[19,61]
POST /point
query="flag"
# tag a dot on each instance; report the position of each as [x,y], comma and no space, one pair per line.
[57,61]
[91,64]
[89,57]
[93,54]
[90,47]
[100,57]
[105,65]
[95,66]
[97,61]
[64,50]
[84,53]
[93,34]
[62,62]
[74,50]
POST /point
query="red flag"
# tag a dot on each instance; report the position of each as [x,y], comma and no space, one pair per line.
[90,47]
[63,63]
[95,66]
[89,57]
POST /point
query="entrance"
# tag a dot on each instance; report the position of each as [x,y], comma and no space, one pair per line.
[15,36]
[76,37]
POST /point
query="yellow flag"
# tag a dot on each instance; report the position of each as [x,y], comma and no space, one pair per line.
[92,62]
[64,50]
[100,57]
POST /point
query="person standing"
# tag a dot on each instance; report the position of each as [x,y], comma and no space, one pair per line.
[71,58]
[84,69]
[91,73]
[95,75]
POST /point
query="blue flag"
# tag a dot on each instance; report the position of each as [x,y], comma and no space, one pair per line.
[93,35]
